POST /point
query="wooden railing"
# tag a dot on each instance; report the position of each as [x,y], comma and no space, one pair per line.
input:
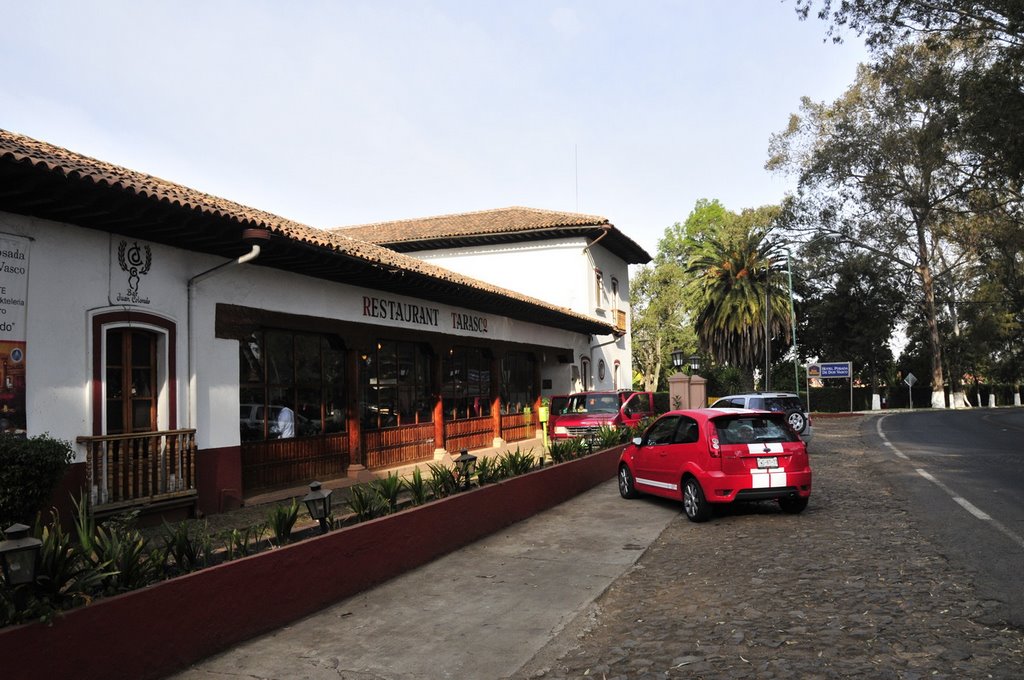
[398,445]
[135,469]
[279,463]
[471,433]
[515,427]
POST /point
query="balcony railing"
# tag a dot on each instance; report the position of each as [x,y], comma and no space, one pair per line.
[125,470]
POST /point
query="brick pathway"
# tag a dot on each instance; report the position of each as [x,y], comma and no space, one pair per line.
[848,589]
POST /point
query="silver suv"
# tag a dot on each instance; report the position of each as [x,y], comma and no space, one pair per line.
[779,402]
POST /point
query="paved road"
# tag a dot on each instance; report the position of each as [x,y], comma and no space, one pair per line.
[968,490]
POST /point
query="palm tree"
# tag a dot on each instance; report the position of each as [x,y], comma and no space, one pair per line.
[734,273]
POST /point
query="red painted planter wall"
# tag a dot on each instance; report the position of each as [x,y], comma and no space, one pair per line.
[153,632]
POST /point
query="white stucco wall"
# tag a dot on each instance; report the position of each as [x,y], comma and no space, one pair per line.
[75,273]
[561,272]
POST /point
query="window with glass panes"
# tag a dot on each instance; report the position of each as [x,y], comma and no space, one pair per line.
[466,383]
[518,382]
[395,387]
[301,372]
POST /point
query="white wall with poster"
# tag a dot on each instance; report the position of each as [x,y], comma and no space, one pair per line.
[14,268]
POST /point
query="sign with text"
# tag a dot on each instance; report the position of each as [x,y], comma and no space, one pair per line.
[835,369]
[13,316]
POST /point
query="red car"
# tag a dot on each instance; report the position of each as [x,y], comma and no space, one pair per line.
[706,457]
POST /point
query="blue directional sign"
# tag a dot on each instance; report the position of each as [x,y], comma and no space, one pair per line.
[837,369]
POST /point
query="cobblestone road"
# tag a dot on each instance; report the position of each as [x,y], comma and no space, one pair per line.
[848,589]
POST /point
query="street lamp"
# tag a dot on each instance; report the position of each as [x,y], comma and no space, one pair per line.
[694,363]
[18,555]
[466,463]
[318,503]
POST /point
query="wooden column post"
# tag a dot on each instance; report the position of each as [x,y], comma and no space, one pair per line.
[496,402]
[353,375]
[435,388]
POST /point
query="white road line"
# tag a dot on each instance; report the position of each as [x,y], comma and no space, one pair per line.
[971,508]
[958,499]
[885,440]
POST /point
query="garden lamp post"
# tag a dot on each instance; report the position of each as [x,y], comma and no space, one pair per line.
[694,363]
[677,359]
[466,463]
[18,555]
[318,502]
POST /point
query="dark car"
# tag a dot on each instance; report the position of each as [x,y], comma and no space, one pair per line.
[780,402]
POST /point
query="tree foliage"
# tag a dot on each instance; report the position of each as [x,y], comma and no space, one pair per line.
[738,287]
[887,169]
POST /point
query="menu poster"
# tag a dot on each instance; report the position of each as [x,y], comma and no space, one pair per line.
[13,298]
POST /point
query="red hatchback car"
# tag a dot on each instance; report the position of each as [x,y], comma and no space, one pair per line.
[712,456]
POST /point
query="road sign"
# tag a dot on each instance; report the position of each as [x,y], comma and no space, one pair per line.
[910,379]
[835,369]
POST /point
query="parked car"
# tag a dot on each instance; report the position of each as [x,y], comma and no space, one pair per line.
[780,402]
[586,412]
[708,457]
[251,417]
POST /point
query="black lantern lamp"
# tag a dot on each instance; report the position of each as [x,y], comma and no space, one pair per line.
[18,555]
[677,359]
[466,463]
[318,503]
[694,364]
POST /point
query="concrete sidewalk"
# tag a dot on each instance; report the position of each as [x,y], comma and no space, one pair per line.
[481,612]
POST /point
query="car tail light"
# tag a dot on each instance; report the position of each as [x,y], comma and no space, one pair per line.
[714,448]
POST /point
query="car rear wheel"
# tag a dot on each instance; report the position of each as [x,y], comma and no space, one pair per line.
[797,420]
[626,487]
[695,505]
[793,505]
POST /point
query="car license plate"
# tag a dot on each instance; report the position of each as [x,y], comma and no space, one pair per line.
[767,462]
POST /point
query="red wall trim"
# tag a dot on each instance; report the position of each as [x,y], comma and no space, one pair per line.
[129,317]
[151,633]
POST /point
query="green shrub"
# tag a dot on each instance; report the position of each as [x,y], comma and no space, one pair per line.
[119,548]
[29,471]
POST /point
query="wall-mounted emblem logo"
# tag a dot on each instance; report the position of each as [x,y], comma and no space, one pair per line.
[135,261]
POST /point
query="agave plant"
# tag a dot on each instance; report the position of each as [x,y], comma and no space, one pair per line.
[516,462]
[444,481]
[243,542]
[563,450]
[416,487]
[389,487]
[488,471]
[281,521]
[189,548]
[366,502]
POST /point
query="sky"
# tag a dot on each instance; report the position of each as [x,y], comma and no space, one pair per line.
[344,112]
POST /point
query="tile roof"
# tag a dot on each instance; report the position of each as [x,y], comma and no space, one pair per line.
[21,156]
[500,220]
[488,226]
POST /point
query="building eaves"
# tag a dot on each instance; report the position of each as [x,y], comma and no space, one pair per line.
[42,180]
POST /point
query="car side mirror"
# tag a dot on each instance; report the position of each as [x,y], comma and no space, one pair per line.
[638,440]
